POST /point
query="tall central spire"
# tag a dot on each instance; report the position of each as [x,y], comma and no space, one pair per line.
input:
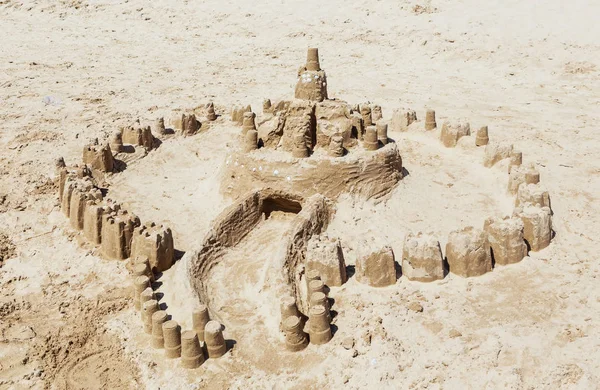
[312,81]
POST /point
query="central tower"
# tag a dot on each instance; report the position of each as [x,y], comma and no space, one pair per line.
[312,81]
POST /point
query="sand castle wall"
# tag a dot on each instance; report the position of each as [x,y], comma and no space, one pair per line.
[235,222]
[371,175]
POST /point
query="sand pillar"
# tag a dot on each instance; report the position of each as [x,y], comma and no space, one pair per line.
[288,308]
[145,296]
[319,329]
[191,352]
[336,146]
[250,141]
[158,319]
[482,138]
[148,308]
[141,269]
[516,159]
[215,342]
[172,337]
[376,114]
[312,59]
[316,286]
[382,130]
[116,142]
[210,114]
[248,122]
[430,123]
[300,150]
[267,105]
[295,338]
[320,299]
[365,112]
[200,317]
[140,283]
[371,142]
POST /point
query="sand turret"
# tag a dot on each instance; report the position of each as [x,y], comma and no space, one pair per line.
[295,338]
[482,137]
[505,236]
[189,125]
[537,221]
[210,112]
[200,317]
[99,157]
[215,342]
[452,132]
[422,259]
[430,122]
[371,141]
[325,258]
[117,231]
[139,136]
[468,252]
[312,81]
[402,118]
[191,352]
[375,266]
[155,242]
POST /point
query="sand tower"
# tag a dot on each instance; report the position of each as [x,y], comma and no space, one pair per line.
[312,82]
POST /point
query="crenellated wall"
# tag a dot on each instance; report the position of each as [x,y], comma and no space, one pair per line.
[369,175]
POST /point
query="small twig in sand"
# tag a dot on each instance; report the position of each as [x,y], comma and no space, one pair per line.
[36,236]
[565,165]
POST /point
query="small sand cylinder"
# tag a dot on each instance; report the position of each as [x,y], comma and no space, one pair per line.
[148,308]
[516,159]
[376,114]
[316,286]
[210,112]
[200,318]
[295,338]
[142,259]
[532,176]
[312,59]
[288,308]
[319,329]
[430,123]
[158,319]
[266,105]
[299,147]
[145,296]
[319,298]
[382,130]
[482,137]
[191,352]
[248,122]
[311,275]
[336,146]
[141,269]
[357,123]
[365,112]
[116,142]
[140,283]
[159,126]
[371,142]
[172,337]
[250,141]
[215,342]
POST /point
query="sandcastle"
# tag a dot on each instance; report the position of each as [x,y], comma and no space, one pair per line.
[296,157]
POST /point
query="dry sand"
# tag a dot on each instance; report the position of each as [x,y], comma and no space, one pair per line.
[75,70]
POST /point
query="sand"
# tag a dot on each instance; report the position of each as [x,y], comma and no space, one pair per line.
[72,71]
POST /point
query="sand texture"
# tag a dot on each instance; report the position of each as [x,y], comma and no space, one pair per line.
[234,213]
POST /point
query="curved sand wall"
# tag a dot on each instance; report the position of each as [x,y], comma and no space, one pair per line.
[235,222]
